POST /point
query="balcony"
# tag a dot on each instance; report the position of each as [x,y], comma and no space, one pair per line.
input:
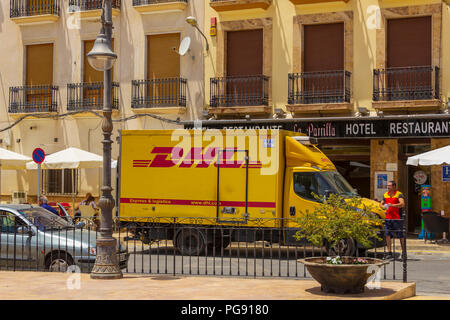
[29,12]
[159,95]
[231,5]
[240,95]
[89,96]
[32,99]
[159,6]
[406,88]
[92,9]
[322,91]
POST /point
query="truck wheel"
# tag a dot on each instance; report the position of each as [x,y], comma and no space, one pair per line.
[190,242]
[348,248]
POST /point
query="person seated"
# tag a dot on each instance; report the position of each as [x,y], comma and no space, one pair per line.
[43,203]
[89,201]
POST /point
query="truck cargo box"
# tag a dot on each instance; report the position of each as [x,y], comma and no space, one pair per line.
[230,176]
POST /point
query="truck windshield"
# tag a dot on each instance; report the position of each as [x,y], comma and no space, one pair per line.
[306,184]
[43,219]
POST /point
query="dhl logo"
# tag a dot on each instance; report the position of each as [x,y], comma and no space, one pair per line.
[167,157]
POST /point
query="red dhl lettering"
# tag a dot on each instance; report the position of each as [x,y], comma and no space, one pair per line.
[167,157]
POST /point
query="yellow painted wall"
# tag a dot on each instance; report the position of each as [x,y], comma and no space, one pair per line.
[364,47]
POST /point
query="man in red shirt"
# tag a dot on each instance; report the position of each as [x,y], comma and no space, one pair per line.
[393,202]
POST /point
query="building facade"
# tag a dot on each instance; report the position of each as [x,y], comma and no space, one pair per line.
[368,78]
[44,70]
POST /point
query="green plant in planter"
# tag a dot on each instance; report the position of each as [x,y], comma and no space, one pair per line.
[337,218]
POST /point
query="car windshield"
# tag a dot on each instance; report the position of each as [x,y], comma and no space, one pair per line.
[44,219]
[306,184]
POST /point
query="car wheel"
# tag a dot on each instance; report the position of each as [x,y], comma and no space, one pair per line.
[348,248]
[190,242]
[58,262]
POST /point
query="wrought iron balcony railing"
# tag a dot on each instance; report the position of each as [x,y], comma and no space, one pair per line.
[89,96]
[28,99]
[319,87]
[85,5]
[239,91]
[146,2]
[408,83]
[25,8]
[168,92]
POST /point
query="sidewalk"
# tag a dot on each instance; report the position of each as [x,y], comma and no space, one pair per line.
[415,245]
[53,286]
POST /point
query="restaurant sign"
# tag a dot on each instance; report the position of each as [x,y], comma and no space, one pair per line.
[358,128]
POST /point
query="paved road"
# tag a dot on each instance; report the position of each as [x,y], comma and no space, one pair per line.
[431,272]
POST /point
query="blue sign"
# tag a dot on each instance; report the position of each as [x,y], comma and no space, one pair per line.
[38,155]
[446,173]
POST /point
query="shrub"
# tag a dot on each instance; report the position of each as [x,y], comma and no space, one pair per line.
[337,218]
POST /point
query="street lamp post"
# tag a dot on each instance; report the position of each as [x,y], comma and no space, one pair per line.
[102,58]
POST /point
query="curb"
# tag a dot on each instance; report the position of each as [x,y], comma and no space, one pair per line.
[405,293]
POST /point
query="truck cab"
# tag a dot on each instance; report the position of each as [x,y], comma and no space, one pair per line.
[308,173]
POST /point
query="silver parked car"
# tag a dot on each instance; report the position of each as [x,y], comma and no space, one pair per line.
[34,238]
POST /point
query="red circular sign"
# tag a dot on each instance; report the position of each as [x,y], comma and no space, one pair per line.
[38,155]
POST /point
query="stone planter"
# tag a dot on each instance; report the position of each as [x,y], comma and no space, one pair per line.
[343,278]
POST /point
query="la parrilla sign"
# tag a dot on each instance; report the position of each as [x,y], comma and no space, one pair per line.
[358,128]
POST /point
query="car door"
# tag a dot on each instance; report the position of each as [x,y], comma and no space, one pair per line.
[15,247]
[300,188]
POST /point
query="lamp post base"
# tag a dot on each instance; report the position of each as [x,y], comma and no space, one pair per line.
[106,264]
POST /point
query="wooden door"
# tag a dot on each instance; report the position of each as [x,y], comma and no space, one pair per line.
[323,63]
[409,53]
[244,84]
[163,69]
[39,76]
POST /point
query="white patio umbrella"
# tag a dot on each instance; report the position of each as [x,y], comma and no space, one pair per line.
[10,160]
[70,158]
[430,158]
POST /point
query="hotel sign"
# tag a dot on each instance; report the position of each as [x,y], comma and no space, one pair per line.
[358,128]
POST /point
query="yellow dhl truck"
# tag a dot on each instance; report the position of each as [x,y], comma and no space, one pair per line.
[227,180]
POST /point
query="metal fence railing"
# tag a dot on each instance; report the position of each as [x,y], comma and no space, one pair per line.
[177,246]
[146,2]
[85,5]
[25,8]
[27,99]
[239,91]
[89,96]
[409,83]
[319,87]
[167,92]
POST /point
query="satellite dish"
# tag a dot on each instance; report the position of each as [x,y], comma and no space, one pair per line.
[184,46]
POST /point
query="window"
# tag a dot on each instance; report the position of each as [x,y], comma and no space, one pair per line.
[63,181]
[306,184]
[8,222]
